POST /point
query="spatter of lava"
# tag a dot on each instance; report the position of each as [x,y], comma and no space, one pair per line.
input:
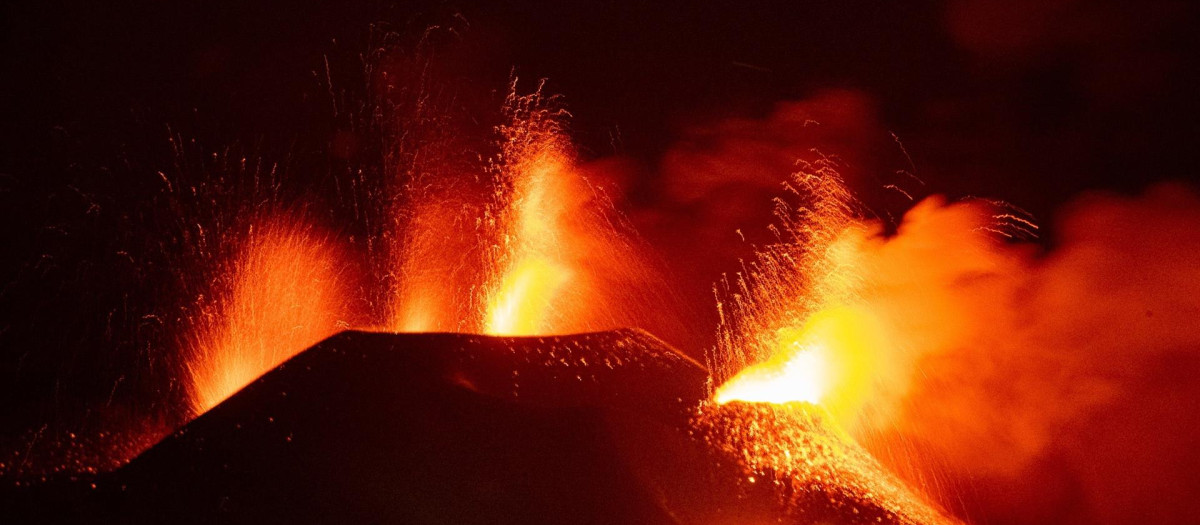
[798,361]
[818,472]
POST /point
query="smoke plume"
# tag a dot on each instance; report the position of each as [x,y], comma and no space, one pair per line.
[1066,367]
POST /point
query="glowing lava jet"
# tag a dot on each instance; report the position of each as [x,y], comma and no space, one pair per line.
[808,359]
[543,252]
[279,295]
[792,329]
[825,361]
[532,266]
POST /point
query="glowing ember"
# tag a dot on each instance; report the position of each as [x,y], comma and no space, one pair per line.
[280,296]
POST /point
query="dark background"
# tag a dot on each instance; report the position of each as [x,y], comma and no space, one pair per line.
[1026,101]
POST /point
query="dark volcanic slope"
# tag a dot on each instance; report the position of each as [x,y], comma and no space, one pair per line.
[406,428]
[450,428]
[436,428]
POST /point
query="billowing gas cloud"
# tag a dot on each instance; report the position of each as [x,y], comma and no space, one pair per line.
[1066,368]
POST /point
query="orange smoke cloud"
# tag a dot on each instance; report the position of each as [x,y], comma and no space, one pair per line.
[1013,363]
[739,153]
[1119,289]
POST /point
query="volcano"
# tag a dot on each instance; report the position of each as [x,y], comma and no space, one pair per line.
[452,428]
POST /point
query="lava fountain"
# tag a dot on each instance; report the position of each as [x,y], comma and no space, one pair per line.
[531,264]
[800,359]
[540,251]
[792,328]
[279,295]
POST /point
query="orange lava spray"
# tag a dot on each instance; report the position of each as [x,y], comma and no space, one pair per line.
[531,266]
[801,358]
[791,328]
[279,295]
[542,252]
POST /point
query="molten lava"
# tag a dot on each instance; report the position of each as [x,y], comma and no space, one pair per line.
[437,263]
[798,373]
[793,328]
[805,360]
[523,301]
[535,251]
[826,361]
[281,294]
